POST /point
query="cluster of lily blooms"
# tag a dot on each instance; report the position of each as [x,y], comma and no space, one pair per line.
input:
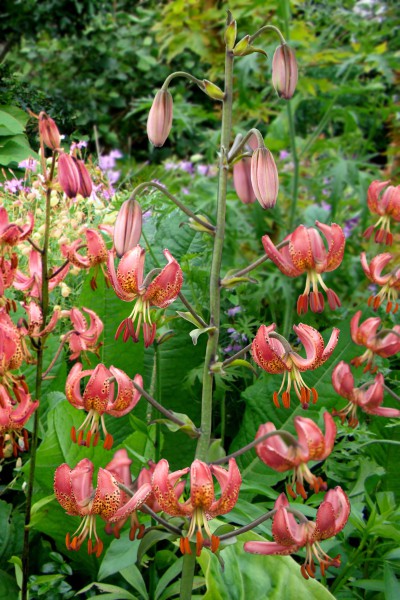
[111,391]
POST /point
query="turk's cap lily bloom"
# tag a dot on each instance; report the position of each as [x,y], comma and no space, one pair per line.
[312,445]
[284,71]
[83,337]
[74,491]
[273,353]
[8,269]
[305,252]
[99,397]
[385,343]
[202,504]
[389,283]
[12,234]
[96,250]
[33,326]
[158,291]
[264,177]
[12,349]
[368,398]
[33,283]
[14,414]
[386,204]
[159,121]
[290,536]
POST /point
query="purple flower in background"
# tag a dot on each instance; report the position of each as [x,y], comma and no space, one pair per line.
[107,162]
[325,205]
[14,186]
[113,176]
[284,154]
[170,166]
[231,312]
[203,170]
[325,192]
[30,164]
[349,225]
[187,166]
[146,215]
[185,191]
[78,145]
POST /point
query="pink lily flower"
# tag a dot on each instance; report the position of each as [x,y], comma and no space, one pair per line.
[290,536]
[33,282]
[385,343]
[99,398]
[202,504]
[389,283]
[387,206]
[273,353]
[74,491]
[83,338]
[13,351]
[312,445]
[33,326]
[369,399]
[8,269]
[14,414]
[306,253]
[12,234]
[96,254]
[129,285]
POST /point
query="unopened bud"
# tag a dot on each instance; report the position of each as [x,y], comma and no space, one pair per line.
[264,177]
[85,182]
[241,46]
[242,180]
[68,175]
[284,71]
[213,90]
[128,227]
[230,35]
[159,121]
[48,131]
[198,226]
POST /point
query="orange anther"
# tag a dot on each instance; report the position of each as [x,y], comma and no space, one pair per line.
[90,548]
[310,570]
[290,491]
[314,395]
[96,439]
[73,434]
[389,307]
[68,541]
[88,438]
[275,399]
[98,548]
[300,490]
[181,545]
[370,300]
[286,399]
[304,572]
[199,543]
[108,442]
[377,302]
[80,438]
[215,541]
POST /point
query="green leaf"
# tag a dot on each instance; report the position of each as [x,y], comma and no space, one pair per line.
[8,586]
[121,554]
[133,576]
[9,125]
[174,570]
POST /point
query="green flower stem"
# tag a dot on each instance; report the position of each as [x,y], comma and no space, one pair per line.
[249,526]
[255,264]
[296,167]
[212,344]
[285,435]
[237,147]
[191,78]
[391,392]
[192,310]
[175,200]
[189,563]
[267,28]
[157,405]
[38,385]
[230,360]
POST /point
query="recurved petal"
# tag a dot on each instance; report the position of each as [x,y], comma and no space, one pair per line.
[267,351]
[119,466]
[286,530]
[343,380]
[107,498]
[273,451]
[336,243]
[377,264]
[230,482]
[388,345]
[96,247]
[281,258]
[166,285]
[340,505]
[63,489]
[81,484]
[331,345]
[127,396]
[301,250]
[270,548]
[372,398]
[115,280]
[362,334]
[373,193]
[130,271]
[133,504]
[313,343]
[310,436]
[99,392]
[72,386]
[201,485]
[164,491]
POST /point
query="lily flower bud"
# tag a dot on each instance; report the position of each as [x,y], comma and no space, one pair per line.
[264,177]
[213,90]
[128,227]
[85,186]
[284,71]
[48,131]
[68,175]
[159,121]
[242,180]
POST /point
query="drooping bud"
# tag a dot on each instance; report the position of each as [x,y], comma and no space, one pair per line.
[213,90]
[68,175]
[85,185]
[284,71]
[159,121]
[48,131]
[242,180]
[128,227]
[264,177]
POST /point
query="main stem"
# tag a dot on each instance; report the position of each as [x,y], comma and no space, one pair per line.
[38,386]
[212,344]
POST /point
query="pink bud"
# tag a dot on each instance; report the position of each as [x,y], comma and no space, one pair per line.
[264,177]
[159,121]
[128,227]
[85,185]
[242,180]
[284,71]
[68,175]
[48,131]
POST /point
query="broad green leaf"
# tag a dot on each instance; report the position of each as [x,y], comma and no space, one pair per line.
[133,576]
[174,570]
[121,554]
